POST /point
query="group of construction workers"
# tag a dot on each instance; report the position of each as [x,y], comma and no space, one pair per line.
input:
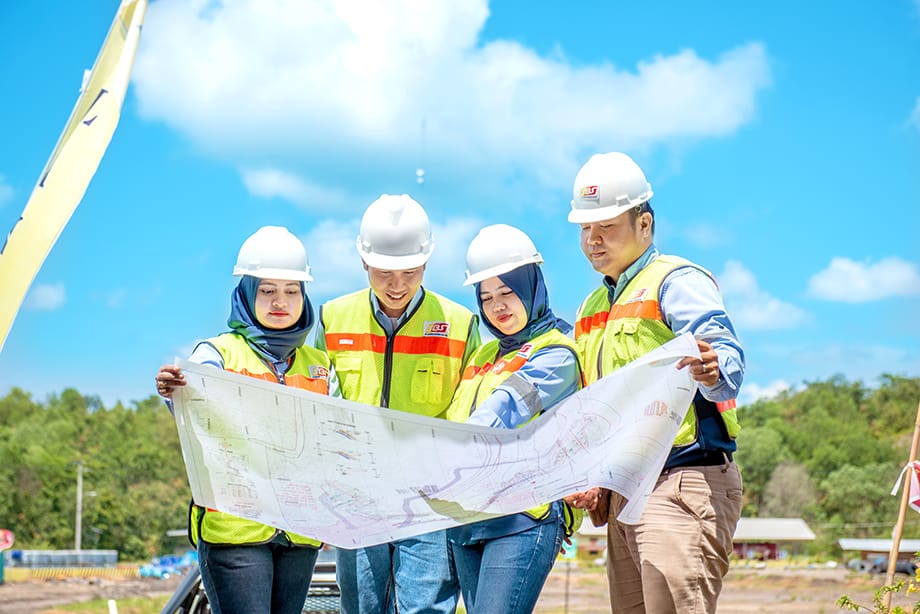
[399,345]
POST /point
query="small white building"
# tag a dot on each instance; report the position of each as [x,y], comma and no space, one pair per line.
[867,549]
[762,538]
[592,540]
[759,538]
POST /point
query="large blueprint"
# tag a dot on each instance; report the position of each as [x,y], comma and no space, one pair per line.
[354,475]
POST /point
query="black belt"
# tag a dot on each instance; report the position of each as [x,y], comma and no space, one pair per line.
[708,459]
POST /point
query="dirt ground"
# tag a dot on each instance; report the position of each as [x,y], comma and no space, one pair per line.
[746,591]
[34,596]
[579,589]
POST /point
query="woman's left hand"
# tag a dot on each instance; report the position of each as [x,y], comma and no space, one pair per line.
[167,378]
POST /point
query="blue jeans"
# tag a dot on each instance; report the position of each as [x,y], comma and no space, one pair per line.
[509,571]
[270,578]
[410,576]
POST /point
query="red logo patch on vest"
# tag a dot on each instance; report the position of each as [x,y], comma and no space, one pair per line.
[436,329]
[589,192]
[638,295]
[319,372]
[525,350]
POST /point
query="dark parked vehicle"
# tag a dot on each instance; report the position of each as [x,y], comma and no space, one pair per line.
[322,598]
[908,567]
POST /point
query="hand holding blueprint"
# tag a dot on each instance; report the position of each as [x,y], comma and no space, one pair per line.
[354,475]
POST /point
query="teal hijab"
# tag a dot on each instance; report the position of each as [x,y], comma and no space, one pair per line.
[273,345]
[527,282]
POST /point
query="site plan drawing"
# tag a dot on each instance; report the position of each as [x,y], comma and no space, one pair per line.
[354,475]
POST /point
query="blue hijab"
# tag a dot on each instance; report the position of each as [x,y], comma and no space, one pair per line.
[273,345]
[527,282]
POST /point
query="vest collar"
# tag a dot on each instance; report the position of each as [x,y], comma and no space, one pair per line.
[615,289]
[386,321]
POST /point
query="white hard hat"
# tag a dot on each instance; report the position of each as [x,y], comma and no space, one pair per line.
[273,252]
[606,186]
[498,249]
[395,234]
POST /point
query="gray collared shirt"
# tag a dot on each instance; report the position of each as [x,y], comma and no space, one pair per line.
[391,324]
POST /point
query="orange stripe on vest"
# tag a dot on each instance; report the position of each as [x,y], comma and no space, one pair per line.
[344,342]
[648,310]
[588,323]
[295,380]
[502,365]
[511,365]
[471,371]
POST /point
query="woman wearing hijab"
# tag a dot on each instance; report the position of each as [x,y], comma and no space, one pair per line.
[531,365]
[248,567]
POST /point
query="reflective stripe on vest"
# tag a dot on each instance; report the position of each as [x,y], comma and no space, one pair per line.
[610,336]
[415,370]
[309,370]
[481,377]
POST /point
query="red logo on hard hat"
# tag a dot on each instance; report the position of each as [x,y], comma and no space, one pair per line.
[589,192]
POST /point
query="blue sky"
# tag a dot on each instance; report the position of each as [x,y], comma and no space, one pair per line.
[782,141]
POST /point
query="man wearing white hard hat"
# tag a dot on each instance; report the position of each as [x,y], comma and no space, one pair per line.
[675,558]
[401,346]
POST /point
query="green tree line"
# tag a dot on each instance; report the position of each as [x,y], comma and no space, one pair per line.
[828,452]
[134,483]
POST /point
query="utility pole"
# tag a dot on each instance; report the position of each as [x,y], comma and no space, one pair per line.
[902,511]
[78,534]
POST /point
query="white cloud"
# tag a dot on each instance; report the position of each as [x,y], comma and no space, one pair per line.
[852,361]
[848,281]
[46,297]
[270,183]
[752,308]
[445,271]
[813,362]
[6,191]
[705,235]
[330,82]
[751,392]
[334,260]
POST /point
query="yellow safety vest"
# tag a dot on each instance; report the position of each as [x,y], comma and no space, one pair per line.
[482,376]
[610,336]
[416,369]
[309,370]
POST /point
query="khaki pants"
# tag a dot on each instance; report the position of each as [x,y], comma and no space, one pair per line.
[675,558]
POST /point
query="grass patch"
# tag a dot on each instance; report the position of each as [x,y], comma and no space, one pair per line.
[128,605]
